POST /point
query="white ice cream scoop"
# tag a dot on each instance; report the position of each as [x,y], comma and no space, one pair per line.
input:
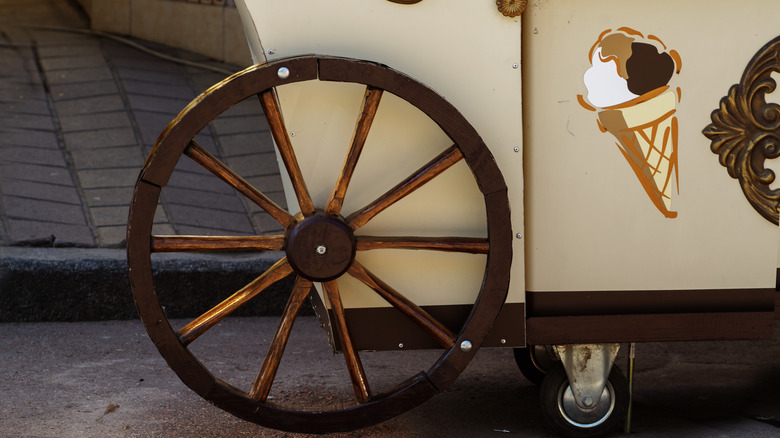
[605,86]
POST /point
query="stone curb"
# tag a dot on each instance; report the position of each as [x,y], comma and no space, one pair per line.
[75,284]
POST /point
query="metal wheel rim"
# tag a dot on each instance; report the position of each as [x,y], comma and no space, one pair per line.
[583,419]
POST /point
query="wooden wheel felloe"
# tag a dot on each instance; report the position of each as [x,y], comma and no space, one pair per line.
[322,245]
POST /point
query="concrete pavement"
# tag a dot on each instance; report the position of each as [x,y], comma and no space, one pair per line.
[106,379]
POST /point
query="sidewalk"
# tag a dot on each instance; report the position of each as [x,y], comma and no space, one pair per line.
[78,115]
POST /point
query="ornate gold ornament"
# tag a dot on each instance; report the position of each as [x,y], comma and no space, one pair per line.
[511,8]
[744,131]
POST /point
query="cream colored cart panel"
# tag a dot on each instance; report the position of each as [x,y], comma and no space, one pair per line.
[478,72]
[591,222]
[450,205]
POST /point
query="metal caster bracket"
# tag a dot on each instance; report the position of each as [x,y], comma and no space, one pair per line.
[587,367]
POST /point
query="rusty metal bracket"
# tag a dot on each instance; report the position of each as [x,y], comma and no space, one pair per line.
[587,367]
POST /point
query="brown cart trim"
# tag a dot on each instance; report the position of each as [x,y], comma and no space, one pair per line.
[649,316]
[777,294]
[649,328]
[777,304]
[587,317]
[585,303]
[508,329]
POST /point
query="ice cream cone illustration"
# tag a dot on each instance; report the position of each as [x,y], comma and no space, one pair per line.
[628,89]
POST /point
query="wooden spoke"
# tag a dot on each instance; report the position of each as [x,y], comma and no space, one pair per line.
[201,156]
[471,245]
[434,328]
[354,366]
[279,131]
[191,331]
[426,173]
[265,378]
[370,104]
[216,243]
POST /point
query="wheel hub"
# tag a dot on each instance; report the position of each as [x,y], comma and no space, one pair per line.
[320,247]
[598,413]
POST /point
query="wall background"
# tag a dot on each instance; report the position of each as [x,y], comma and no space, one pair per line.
[209,27]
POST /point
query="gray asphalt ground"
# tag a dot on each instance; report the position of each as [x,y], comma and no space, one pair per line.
[78,114]
[106,379]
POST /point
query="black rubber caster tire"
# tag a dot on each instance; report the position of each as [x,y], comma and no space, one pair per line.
[531,364]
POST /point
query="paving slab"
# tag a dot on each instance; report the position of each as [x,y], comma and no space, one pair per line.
[115,157]
[89,105]
[29,137]
[118,119]
[43,191]
[33,233]
[80,90]
[26,155]
[98,138]
[29,121]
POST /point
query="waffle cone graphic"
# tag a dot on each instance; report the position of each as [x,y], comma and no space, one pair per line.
[646,132]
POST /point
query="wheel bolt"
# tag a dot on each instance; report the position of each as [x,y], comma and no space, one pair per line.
[588,402]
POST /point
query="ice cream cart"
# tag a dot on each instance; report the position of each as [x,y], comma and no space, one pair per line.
[559,177]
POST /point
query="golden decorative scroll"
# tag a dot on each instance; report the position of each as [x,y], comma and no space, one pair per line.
[744,131]
[511,8]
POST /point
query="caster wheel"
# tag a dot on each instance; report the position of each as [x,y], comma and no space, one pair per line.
[567,419]
[534,361]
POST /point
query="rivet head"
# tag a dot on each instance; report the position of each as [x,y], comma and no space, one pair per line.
[321,250]
[503,341]
[588,402]
[519,236]
[401,345]
[466,346]
[517,149]
[515,65]
[283,73]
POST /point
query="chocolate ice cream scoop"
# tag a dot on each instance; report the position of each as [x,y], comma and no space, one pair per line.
[647,69]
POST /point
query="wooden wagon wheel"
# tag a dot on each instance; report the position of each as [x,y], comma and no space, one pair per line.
[320,245]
